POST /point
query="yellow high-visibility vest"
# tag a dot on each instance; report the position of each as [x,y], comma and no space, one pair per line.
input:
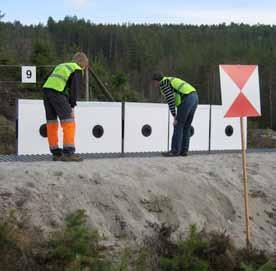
[180,87]
[60,75]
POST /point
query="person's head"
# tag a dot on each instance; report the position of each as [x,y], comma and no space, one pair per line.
[156,78]
[81,59]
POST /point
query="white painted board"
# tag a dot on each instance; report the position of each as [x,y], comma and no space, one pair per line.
[31,116]
[220,126]
[150,118]
[240,90]
[105,119]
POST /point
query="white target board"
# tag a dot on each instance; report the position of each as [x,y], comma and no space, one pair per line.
[225,132]
[31,117]
[199,140]
[99,127]
[146,127]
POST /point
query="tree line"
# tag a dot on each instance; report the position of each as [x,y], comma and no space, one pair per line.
[125,55]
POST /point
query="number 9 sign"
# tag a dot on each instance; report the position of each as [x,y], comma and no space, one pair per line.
[28,74]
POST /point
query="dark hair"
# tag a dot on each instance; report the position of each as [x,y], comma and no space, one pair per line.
[157,76]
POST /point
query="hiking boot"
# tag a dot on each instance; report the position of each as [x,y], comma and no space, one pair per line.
[57,157]
[185,153]
[57,154]
[170,154]
[71,157]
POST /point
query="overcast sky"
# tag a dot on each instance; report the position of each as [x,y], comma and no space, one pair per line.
[142,11]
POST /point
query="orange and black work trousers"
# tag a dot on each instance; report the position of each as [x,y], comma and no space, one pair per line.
[57,106]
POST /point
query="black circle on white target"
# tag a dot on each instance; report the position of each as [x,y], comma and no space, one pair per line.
[43,130]
[146,130]
[229,130]
[98,131]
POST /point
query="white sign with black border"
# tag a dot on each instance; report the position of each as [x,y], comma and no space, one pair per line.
[28,74]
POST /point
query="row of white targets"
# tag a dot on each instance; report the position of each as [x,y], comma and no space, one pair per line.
[104,127]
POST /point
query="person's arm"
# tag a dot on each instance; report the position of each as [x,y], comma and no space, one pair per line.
[74,87]
[167,90]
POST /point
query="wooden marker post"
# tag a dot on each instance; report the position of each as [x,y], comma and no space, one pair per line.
[240,94]
[245,184]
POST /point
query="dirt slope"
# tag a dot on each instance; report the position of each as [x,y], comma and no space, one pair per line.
[125,198]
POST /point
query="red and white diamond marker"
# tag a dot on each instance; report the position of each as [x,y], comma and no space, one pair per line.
[240,91]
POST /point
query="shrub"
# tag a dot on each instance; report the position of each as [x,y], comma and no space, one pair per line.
[75,248]
[269,266]
[15,244]
[188,254]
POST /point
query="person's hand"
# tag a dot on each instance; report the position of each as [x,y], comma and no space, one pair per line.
[174,121]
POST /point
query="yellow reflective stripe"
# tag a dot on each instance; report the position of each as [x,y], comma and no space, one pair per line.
[59,76]
[181,85]
[69,68]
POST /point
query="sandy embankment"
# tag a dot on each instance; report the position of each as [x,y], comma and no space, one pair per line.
[124,198]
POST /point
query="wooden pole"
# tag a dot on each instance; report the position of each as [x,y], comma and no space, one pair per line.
[245,182]
[101,84]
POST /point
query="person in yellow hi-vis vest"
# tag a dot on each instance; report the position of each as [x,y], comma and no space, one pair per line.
[60,91]
[182,95]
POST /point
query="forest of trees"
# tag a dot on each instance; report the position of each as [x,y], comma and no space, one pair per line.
[124,56]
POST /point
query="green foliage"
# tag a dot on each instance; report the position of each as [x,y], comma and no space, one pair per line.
[119,85]
[101,71]
[121,89]
[269,266]
[247,267]
[188,254]
[42,54]
[141,263]
[212,251]
[7,58]
[15,243]
[75,247]
[124,56]
[220,252]
[119,80]
[251,258]
[123,263]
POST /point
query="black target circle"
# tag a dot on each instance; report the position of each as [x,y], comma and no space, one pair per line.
[146,130]
[229,130]
[98,131]
[43,130]
[192,131]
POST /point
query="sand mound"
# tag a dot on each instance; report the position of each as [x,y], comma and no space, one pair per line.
[125,198]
